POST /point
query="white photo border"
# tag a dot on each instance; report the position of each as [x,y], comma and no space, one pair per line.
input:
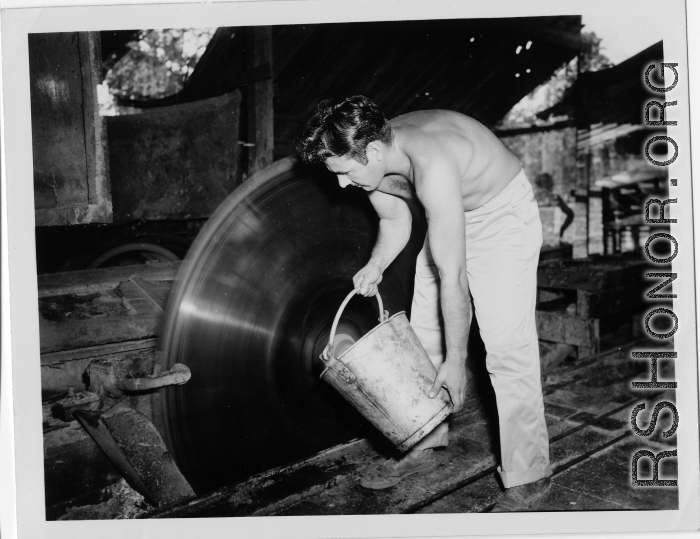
[18,208]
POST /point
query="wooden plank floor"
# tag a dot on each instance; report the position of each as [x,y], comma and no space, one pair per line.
[587,407]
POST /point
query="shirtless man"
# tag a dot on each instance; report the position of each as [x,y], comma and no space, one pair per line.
[484,236]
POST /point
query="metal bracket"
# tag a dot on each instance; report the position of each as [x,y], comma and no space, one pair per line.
[114,376]
[345,373]
[177,375]
[337,367]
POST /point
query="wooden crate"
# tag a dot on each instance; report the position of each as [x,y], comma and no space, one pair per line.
[589,303]
[596,303]
[592,274]
[559,323]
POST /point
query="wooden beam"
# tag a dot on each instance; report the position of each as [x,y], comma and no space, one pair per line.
[112,319]
[501,133]
[561,37]
[92,352]
[562,34]
[260,113]
[95,280]
[99,192]
[135,447]
[236,79]
[157,299]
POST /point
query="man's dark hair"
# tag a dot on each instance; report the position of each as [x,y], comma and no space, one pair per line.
[343,127]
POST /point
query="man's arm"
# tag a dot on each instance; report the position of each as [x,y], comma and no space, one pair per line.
[394,232]
[440,192]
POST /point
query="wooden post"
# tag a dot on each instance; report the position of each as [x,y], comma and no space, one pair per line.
[71,172]
[95,136]
[260,114]
[582,174]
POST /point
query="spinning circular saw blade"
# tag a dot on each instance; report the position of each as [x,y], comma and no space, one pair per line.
[250,313]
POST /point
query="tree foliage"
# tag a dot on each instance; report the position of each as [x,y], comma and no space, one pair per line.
[158,63]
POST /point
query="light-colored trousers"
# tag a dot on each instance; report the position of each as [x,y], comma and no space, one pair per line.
[503,240]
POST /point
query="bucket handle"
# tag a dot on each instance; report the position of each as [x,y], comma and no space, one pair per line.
[383,317]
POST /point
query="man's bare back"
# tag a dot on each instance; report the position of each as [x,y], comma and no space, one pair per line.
[451,163]
[486,165]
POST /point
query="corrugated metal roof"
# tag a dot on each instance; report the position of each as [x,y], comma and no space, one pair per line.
[616,95]
[481,67]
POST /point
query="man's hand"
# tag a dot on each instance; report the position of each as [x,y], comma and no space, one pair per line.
[367,279]
[453,375]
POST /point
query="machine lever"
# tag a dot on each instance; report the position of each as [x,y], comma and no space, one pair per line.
[177,375]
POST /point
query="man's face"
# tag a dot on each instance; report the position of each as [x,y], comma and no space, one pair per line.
[351,172]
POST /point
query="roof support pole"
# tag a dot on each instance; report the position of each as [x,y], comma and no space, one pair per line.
[260,113]
[583,181]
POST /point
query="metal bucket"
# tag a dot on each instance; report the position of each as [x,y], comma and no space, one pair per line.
[386,376]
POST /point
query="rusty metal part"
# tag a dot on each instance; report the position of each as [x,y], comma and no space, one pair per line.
[136,449]
[174,162]
[105,375]
[83,400]
[111,377]
[251,311]
[177,375]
